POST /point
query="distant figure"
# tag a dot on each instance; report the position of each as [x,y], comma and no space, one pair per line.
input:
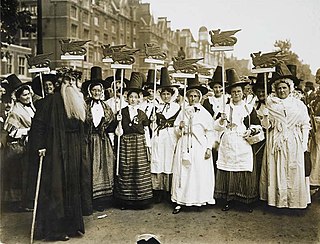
[181,53]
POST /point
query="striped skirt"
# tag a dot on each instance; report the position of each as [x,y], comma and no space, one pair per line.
[134,180]
[240,186]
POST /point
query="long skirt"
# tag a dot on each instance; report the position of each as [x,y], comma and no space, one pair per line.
[133,184]
[315,155]
[241,186]
[102,158]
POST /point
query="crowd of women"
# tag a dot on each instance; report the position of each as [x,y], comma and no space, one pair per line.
[142,143]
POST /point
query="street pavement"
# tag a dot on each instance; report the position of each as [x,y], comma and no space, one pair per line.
[209,225]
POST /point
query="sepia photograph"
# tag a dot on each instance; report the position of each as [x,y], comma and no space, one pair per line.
[160,121]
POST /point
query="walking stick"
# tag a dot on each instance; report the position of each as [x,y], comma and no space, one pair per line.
[120,123]
[42,153]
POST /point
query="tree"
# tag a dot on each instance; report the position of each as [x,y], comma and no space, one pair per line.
[303,70]
[13,20]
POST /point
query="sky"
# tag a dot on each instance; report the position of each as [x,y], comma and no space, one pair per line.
[262,22]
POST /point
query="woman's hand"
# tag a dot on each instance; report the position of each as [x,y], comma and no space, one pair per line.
[182,125]
[246,134]
[223,118]
[207,154]
[119,131]
[119,117]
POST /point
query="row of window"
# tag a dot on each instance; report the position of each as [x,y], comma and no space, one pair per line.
[22,65]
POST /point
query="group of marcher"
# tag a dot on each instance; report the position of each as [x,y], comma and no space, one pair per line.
[116,141]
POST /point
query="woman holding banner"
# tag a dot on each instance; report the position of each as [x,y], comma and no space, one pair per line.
[133,188]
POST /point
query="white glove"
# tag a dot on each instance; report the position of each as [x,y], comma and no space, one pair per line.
[119,130]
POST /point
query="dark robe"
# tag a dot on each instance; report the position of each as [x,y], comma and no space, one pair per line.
[59,206]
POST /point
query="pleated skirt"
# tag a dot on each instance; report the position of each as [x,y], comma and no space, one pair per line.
[133,184]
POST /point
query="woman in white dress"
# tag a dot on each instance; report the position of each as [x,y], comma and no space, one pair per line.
[193,172]
[164,139]
[283,182]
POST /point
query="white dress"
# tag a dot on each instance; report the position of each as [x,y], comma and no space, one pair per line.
[193,175]
[164,140]
[283,183]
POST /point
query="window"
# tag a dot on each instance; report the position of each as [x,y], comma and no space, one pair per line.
[86,34]
[134,44]
[96,36]
[9,63]
[74,12]
[85,17]
[105,38]
[134,31]
[113,29]
[96,21]
[74,30]
[21,65]
[105,24]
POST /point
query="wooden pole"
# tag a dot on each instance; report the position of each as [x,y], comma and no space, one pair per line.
[120,122]
[223,84]
[182,130]
[41,85]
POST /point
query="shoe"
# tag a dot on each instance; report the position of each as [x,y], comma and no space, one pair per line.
[99,208]
[226,207]
[249,210]
[76,234]
[61,237]
[176,210]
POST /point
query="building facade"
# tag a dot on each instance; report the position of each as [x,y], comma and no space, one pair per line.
[112,22]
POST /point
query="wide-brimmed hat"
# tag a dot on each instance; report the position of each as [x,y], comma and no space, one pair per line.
[260,83]
[193,83]
[283,72]
[216,78]
[136,81]
[36,82]
[234,80]
[165,81]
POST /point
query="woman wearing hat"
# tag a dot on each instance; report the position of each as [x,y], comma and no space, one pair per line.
[193,172]
[17,125]
[133,187]
[148,97]
[283,183]
[100,152]
[236,178]
[164,139]
[258,89]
